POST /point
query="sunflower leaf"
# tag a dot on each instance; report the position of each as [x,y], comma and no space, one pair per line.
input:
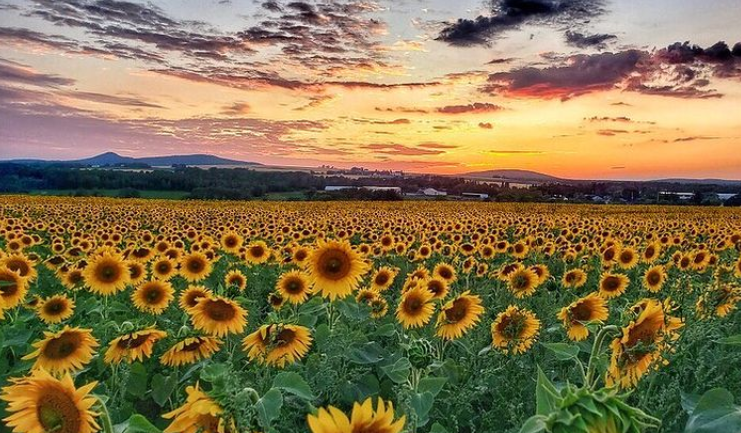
[734,340]
[546,395]
[563,351]
[715,413]
[293,383]
[268,407]
[398,371]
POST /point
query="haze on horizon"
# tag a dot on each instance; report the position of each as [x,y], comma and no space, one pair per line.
[612,89]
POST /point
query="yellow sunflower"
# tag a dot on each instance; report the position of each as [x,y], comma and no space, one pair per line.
[613,285]
[231,242]
[437,286]
[195,267]
[459,315]
[107,274]
[294,286]
[514,330]
[164,269]
[189,297]
[218,316]
[278,344]
[445,272]
[199,414]
[362,419]
[523,282]
[591,308]
[64,351]
[257,253]
[42,403]
[21,265]
[379,307]
[335,269]
[383,278]
[133,346]
[628,258]
[235,278]
[190,350]
[55,309]
[415,307]
[13,288]
[654,278]
[574,278]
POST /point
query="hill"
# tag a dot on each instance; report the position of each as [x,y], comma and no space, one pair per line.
[513,175]
[112,158]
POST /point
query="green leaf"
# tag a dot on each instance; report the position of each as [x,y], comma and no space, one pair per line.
[137,383]
[268,407]
[422,403]
[432,385]
[162,387]
[398,371]
[535,424]
[386,330]
[715,413]
[17,336]
[293,383]
[563,351]
[438,428]
[546,395]
[136,424]
[369,353]
[734,340]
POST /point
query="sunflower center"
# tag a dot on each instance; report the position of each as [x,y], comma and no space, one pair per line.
[193,297]
[54,307]
[294,286]
[220,311]
[153,295]
[382,279]
[457,312]
[520,282]
[435,287]
[8,285]
[133,343]
[231,242]
[192,347]
[163,268]
[19,266]
[108,273]
[445,273]
[581,312]
[413,305]
[195,265]
[611,284]
[58,413]
[334,264]
[62,346]
[257,251]
[285,337]
[654,278]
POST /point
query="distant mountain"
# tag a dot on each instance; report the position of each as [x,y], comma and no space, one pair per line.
[513,175]
[701,181]
[112,158]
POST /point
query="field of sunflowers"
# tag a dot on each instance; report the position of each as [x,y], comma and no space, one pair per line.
[161,316]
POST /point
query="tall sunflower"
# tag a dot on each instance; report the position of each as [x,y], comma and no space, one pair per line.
[591,308]
[195,267]
[190,350]
[218,316]
[199,414]
[523,282]
[133,346]
[107,274]
[459,315]
[362,419]
[613,285]
[42,403]
[55,309]
[654,278]
[335,269]
[278,344]
[294,286]
[514,330]
[153,296]
[415,307]
[64,351]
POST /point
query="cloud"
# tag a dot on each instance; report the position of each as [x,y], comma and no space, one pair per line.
[237,108]
[511,14]
[20,74]
[432,145]
[609,119]
[400,150]
[408,110]
[100,98]
[476,108]
[515,152]
[588,41]
[486,125]
[611,132]
[694,138]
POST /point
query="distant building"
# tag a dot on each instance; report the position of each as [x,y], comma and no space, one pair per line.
[432,192]
[476,195]
[368,188]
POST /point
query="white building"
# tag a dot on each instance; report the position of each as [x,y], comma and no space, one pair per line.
[432,192]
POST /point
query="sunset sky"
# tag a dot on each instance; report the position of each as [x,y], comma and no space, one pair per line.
[573,88]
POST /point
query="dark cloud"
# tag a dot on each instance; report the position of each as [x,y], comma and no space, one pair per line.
[500,60]
[588,41]
[236,108]
[611,132]
[408,110]
[400,150]
[511,14]
[100,98]
[12,72]
[476,107]
[609,119]
[694,138]
[272,6]
[486,125]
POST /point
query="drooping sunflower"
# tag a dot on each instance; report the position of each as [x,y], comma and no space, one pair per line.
[362,419]
[55,309]
[335,269]
[199,414]
[654,278]
[235,278]
[514,330]
[13,288]
[190,350]
[445,272]
[218,316]
[591,308]
[383,278]
[574,278]
[257,253]
[613,285]
[415,308]
[523,282]
[195,267]
[278,344]
[459,315]
[64,351]
[42,403]
[189,297]
[153,296]
[294,286]
[107,274]
[133,346]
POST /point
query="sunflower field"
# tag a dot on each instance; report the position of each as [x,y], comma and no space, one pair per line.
[139,316]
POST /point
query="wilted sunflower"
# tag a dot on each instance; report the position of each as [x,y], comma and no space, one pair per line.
[190,350]
[335,269]
[383,278]
[362,419]
[199,414]
[189,297]
[278,344]
[523,282]
[218,316]
[195,267]
[257,253]
[64,351]
[235,278]
[591,308]
[107,274]
[133,346]
[574,278]
[55,309]
[153,296]
[445,272]
[613,285]
[294,286]
[415,308]
[654,278]
[514,330]
[459,315]
[42,403]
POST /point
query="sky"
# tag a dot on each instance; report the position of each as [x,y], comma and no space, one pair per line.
[582,89]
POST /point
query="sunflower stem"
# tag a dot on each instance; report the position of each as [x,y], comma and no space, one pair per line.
[105,416]
[596,351]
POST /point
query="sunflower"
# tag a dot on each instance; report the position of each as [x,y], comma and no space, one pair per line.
[42,403]
[257,253]
[719,301]
[56,309]
[276,300]
[190,350]
[437,286]
[133,346]
[445,272]
[231,242]
[652,252]
[107,274]
[542,272]
[627,259]
[415,308]
[654,278]
[64,351]
[235,278]
[189,297]
[153,296]
[300,255]
[613,285]
[21,265]
[379,307]
[514,330]
[137,273]
[591,308]
[574,278]
[13,288]
[523,282]
[459,315]
[164,269]
[199,414]
[362,419]
[278,344]
[383,278]
[195,267]
[335,269]
[218,316]
[294,286]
